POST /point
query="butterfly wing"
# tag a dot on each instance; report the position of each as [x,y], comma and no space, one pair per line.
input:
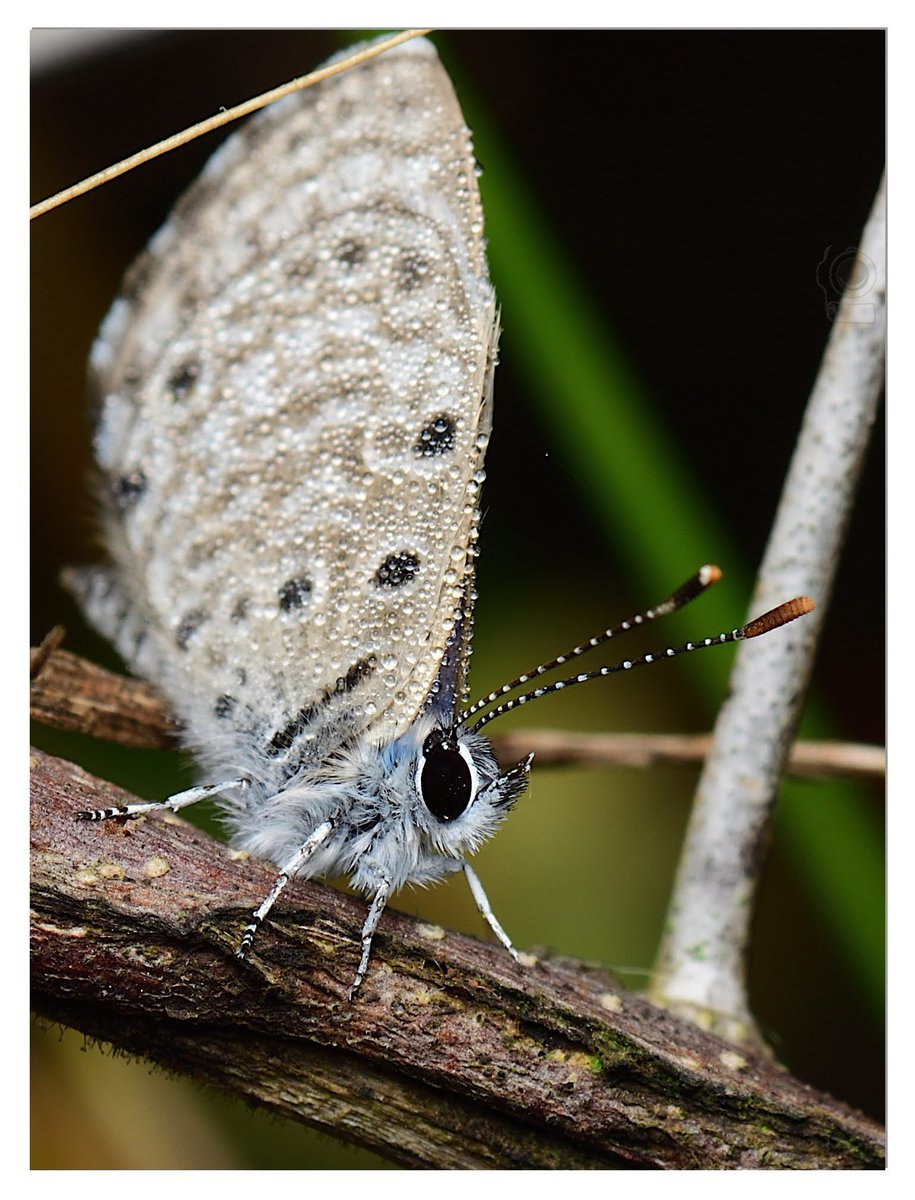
[295,399]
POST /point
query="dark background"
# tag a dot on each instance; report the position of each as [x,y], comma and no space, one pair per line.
[694,182]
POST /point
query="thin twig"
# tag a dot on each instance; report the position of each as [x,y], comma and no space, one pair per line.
[453,1057]
[702,964]
[218,120]
[67,692]
[70,693]
[566,748]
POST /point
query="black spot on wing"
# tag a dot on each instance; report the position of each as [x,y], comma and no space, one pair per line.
[411,271]
[294,593]
[240,611]
[350,253]
[189,625]
[128,489]
[285,737]
[181,383]
[397,569]
[436,438]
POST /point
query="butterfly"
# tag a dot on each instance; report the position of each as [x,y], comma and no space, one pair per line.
[295,395]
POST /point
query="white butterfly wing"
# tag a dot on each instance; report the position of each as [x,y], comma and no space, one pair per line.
[295,398]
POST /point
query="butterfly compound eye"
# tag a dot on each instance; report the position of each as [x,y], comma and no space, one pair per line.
[445,780]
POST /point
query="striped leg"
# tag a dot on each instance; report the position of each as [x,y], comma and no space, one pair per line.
[368,932]
[172,804]
[291,868]
[482,902]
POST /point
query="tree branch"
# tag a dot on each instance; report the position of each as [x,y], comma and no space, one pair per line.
[701,968]
[454,1056]
[69,693]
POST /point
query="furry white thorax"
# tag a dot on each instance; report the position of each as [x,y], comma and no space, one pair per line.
[382,827]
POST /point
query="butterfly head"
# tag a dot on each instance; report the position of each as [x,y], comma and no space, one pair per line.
[439,792]
[461,796]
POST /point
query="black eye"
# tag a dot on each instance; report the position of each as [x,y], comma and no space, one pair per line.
[445,781]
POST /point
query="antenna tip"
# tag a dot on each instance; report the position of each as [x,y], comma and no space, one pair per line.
[776,617]
[709,574]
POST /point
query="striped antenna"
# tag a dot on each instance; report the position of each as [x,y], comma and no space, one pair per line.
[693,587]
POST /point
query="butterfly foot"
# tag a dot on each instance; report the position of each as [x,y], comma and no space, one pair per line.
[105,814]
[353,992]
[246,942]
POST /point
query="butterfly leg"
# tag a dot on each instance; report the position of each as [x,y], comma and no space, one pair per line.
[482,903]
[368,932]
[287,871]
[172,804]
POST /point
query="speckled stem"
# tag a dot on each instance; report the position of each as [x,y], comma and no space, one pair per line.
[701,969]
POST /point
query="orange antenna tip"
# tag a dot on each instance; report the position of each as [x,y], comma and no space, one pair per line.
[776,617]
[710,574]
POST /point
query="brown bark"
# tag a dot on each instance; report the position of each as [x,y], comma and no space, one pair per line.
[453,1055]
